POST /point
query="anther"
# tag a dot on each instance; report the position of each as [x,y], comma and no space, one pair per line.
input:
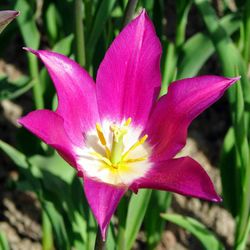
[128,121]
[102,138]
[134,146]
[101,158]
[100,134]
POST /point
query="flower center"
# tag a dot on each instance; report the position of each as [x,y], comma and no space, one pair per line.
[116,157]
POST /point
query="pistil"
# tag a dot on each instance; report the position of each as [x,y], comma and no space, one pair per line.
[117,143]
[116,156]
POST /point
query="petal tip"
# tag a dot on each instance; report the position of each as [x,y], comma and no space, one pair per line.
[103,233]
[16,13]
[35,52]
[217,199]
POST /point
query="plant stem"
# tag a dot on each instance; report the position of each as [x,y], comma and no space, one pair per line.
[79,33]
[122,212]
[37,89]
[99,243]
[47,241]
[129,12]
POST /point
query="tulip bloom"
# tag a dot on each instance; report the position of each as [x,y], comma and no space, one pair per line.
[6,16]
[116,133]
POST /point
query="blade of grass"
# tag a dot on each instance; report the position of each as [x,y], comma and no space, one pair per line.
[196,51]
[230,57]
[136,211]
[208,240]
[47,240]
[3,242]
[31,37]
[154,225]
[102,15]
[243,150]
[230,174]
[79,33]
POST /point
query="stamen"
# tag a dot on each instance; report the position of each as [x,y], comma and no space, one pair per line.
[102,138]
[100,134]
[127,123]
[101,158]
[135,160]
[138,143]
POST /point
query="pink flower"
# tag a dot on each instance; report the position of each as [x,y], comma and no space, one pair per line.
[116,133]
[6,16]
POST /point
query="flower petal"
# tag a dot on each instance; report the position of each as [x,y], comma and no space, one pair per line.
[6,16]
[184,176]
[76,93]
[48,126]
[128,78]
[103,200]
[185,100]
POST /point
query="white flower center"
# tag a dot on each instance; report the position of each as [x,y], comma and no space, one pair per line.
[115,154]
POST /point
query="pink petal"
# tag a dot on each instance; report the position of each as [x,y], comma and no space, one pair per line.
[48,126]
[76,93]
[184,176]
[128,79]
[185,100]
[103,200]
[6,16]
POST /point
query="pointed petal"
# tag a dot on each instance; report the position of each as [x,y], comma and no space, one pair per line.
[185,100]
[103,200]
[6,16]
[184,176]
[128,79]
[76,93]
[48,126]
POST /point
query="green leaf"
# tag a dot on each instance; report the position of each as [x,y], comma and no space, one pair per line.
[17,157]
[199,48]
[230,174]
[58,225]
[136,211]
[229,55]
[47,240]
[3,242]
[154,225]
[51,17]
[64,45]
[102,15]
[207,238]
[14,89]
[27,24]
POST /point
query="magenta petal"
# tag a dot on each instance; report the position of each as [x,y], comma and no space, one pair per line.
[103,200]
[48,126]
[184,176]
[6,16]
[128,78]
[76,93]
[185,100]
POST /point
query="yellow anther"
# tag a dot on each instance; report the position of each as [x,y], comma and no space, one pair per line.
[135,160]
[102,138]
[101,158]
[100,134]
[134,146]
[128,121]
[143,139]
